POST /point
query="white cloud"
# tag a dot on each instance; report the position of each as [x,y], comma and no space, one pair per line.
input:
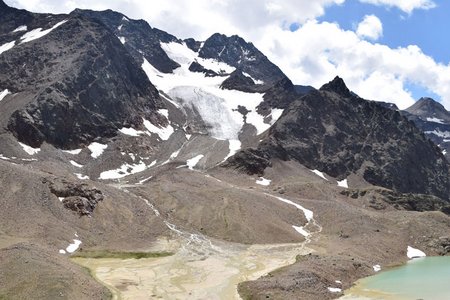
[405,5]
[373,71]
[370,27]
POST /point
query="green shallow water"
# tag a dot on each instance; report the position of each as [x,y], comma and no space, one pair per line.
[423,278]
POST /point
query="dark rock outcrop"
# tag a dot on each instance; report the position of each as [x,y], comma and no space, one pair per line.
[196,67]
[338,133]
[240,82]
[78,197]
[193,44]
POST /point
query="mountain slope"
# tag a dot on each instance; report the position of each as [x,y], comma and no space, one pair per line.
[338,133]
[78,79]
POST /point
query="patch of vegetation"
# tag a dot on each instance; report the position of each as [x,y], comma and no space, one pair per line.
[120,255]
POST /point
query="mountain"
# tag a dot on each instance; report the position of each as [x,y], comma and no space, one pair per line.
[119,140]
[76,77]
[335,132]
[433,119]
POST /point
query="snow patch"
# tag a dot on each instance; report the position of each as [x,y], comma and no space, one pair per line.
[29,150]
[338,282]
[7,46]
[191,163]
[320,174]
[377,268]
[343,183]
[121,39]
[414,253]
[122,171]
[81,176]
[334,290]
[120,27]
[61,199]
[263,181]
[38,33]
[62,251]
[164,133]
[131,131]
[97,149]
[73,152]
[436,120]
[74,246]
[21,28]
[4,93]
[75,164]
[444,152]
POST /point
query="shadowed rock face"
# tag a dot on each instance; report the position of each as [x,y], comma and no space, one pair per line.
[142,41]
[76,84]
[338,133]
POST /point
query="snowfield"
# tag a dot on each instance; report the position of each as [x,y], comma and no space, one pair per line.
[38,33]
[194,91]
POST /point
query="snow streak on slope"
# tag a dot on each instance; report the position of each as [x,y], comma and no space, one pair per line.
[7,46]
[21,28]
[28,149]
[38,33]
[4,93]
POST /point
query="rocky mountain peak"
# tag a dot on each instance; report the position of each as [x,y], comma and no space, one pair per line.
[242,55]
[338,86]
[427,109]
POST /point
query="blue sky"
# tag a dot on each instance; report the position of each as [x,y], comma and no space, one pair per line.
[425,28]
[388,50]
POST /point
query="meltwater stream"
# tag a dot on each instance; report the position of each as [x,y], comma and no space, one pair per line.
[201,268]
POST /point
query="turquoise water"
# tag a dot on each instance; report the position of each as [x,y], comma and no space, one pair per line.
[425,278]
